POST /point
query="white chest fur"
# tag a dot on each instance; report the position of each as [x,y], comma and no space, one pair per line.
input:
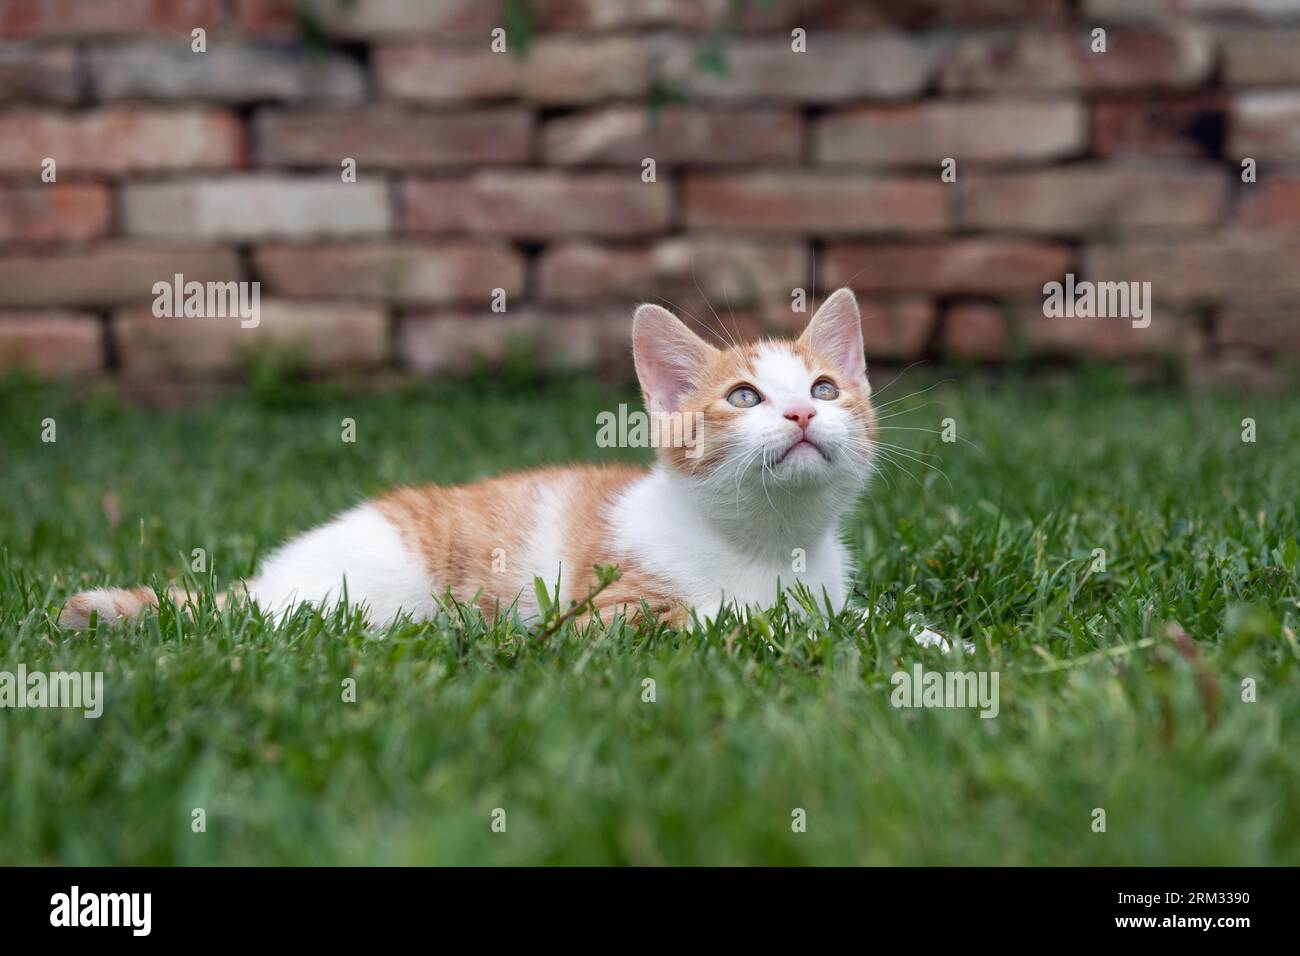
[668,531]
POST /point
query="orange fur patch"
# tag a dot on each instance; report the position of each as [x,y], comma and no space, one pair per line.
[473,537]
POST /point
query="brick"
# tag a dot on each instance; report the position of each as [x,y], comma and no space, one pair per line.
[539,205]
[824,204]
[405,272]
[38,73]
[728,272]
[1063,60]
[51,343]
[328,335]
[388,139]
[915,14]
[835,68]
[1274,201]
[926,133]
[896,328]
[976,331]
[370,19]
[562,71]
[1257,57]
[256,207]
[78,18]
[54,212]
[111,274]
[1268,327]
[1255,266]
[445,73]
[120,140]
[1079,200]
[595,16]
[676,136]
[1164,9]
[557,71]
[457,341]
[1266,124]
[229,72]
[606,15]
[1186,125]
[983,331]
[1110,338]
[267,18]
[1236,369]
[975,266]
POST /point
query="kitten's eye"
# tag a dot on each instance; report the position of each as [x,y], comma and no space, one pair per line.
[742,396]
[825,391]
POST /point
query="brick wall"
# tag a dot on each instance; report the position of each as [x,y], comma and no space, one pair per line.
[486,177]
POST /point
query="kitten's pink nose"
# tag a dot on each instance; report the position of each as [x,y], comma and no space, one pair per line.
[801,416]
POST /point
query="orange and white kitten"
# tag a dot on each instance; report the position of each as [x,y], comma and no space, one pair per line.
[785,446]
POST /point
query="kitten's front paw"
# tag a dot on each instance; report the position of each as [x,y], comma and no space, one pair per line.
[928,638]
[922,634]
[107,604]
[77,612]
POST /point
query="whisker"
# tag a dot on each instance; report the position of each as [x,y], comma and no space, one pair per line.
[848,283]
[734,344]
[904,448]
[726,297]
[920,461]
[905,411]
[762,478]
[900,375]
[855,441]
[932,431]
[698,321]
[886,457]
[904,398]
[812,290]
[883,477]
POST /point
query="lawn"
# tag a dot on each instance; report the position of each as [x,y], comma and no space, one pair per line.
[1120,689]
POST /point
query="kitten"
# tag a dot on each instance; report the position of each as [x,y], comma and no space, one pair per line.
[785,445]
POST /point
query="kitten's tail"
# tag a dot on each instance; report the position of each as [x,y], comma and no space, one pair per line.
[122,604]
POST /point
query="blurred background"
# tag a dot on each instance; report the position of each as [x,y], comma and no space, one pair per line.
[501,202]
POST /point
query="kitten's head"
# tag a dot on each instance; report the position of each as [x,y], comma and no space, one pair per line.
[794,415]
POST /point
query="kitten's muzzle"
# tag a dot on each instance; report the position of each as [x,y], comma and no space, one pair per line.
[803,440]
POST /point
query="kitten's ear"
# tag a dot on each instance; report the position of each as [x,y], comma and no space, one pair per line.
[835,332]
[670,358]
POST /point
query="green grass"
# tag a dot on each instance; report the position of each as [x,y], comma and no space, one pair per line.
[1100,707]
